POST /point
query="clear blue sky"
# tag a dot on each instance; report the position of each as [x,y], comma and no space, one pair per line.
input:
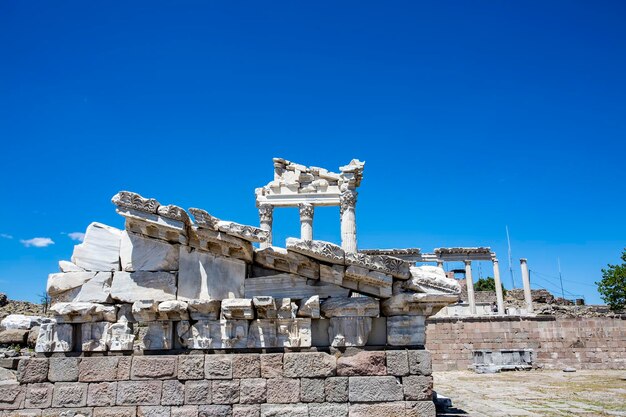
[470,116]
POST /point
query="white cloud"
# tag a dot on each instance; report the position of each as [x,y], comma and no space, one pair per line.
[5,236]
[38,242]
[78,236]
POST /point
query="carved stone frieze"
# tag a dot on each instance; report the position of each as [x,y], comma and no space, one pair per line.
[79,312]
[368,282]
[94,336]
[237,308]
[350,307]
[128,199]
[204,309]
[203,219]
[317,249]
[221,244]
[174,212]
[54,337]
[431,279]
[242,231]
[416,304]
[281,259]
[120,336]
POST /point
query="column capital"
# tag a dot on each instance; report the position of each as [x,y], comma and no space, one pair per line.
[523,260]
[467,262]
[306,211]
[494,260]
[347,199]
[266,212]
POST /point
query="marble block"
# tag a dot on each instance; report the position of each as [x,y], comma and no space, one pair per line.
[213,334]
[140,253]
[100,250]
[431,278]
[291,286]
[368,282]
[317,249]
[279,333]
[350,307]
[332,274]
[416,304]
[79,312]
[349,331]
[205,276]
[406,330]
[265,307]
[204,309]
[129,287]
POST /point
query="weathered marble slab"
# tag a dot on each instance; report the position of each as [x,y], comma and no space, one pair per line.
[54,337]
[145,310]
[397,267]
[20,322]
[369,282]
[386,264]
[174,310]
[263,333]
[237,308]
[65,281]
[309,307]
[286,309]
[79,312]
[350,307]
[416,304]
[67,266]
[140,253]
[242,231]
[317,249]
[281,259]
[129,287]
[406,330]
[149,310]
[204,309]
[349,331]
[155,226]
[94,336]
[220,244]
[100,250]
[332,274]
[431,278]
[291,286]
[213,334]
[205,276]
[293,332]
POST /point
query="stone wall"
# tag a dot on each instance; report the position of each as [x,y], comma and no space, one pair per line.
[582,343]
[357,383]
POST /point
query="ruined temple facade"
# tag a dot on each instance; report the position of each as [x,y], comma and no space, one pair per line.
[185,283]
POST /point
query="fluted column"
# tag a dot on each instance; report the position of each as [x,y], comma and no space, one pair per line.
[498,282]
[469,283]
[348,220]
[266,214]
[526,282]
[306,221]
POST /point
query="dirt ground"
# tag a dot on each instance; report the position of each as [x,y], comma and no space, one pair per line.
[534,393]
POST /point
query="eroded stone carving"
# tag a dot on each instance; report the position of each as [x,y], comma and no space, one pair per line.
[281,259]
[317,249]
[249,233]
[350,307]
[237,308]
[54,337]
[412,304]
[120,336]
[431,279]
[94,336]
[368,282]
[309,307]
[128,199]
[79,312]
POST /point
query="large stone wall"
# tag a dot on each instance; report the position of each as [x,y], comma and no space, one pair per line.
[582,343]
[299,384]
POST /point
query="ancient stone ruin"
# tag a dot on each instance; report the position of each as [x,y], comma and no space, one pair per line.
[180,314]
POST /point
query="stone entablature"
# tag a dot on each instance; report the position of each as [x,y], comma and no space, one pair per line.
[291,384]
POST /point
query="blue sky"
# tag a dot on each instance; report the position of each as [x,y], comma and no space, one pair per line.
[470,116]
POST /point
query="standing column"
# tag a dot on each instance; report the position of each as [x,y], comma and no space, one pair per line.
[306,221]
[469,283]
[496,278]
[266,214]
[440,264]
[348,220]
[526,281]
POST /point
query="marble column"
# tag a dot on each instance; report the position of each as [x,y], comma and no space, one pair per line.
[498,282]
[526,282]
[266,214]
[348,220]
[306,221]
[469,283]
[440,264]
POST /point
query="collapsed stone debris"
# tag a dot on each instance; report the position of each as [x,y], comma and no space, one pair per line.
[176,280]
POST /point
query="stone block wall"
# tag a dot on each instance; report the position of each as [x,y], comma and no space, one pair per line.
[582,343]
[304,384]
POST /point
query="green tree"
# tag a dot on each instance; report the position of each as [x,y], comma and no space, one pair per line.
[487,284]
[612,286]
